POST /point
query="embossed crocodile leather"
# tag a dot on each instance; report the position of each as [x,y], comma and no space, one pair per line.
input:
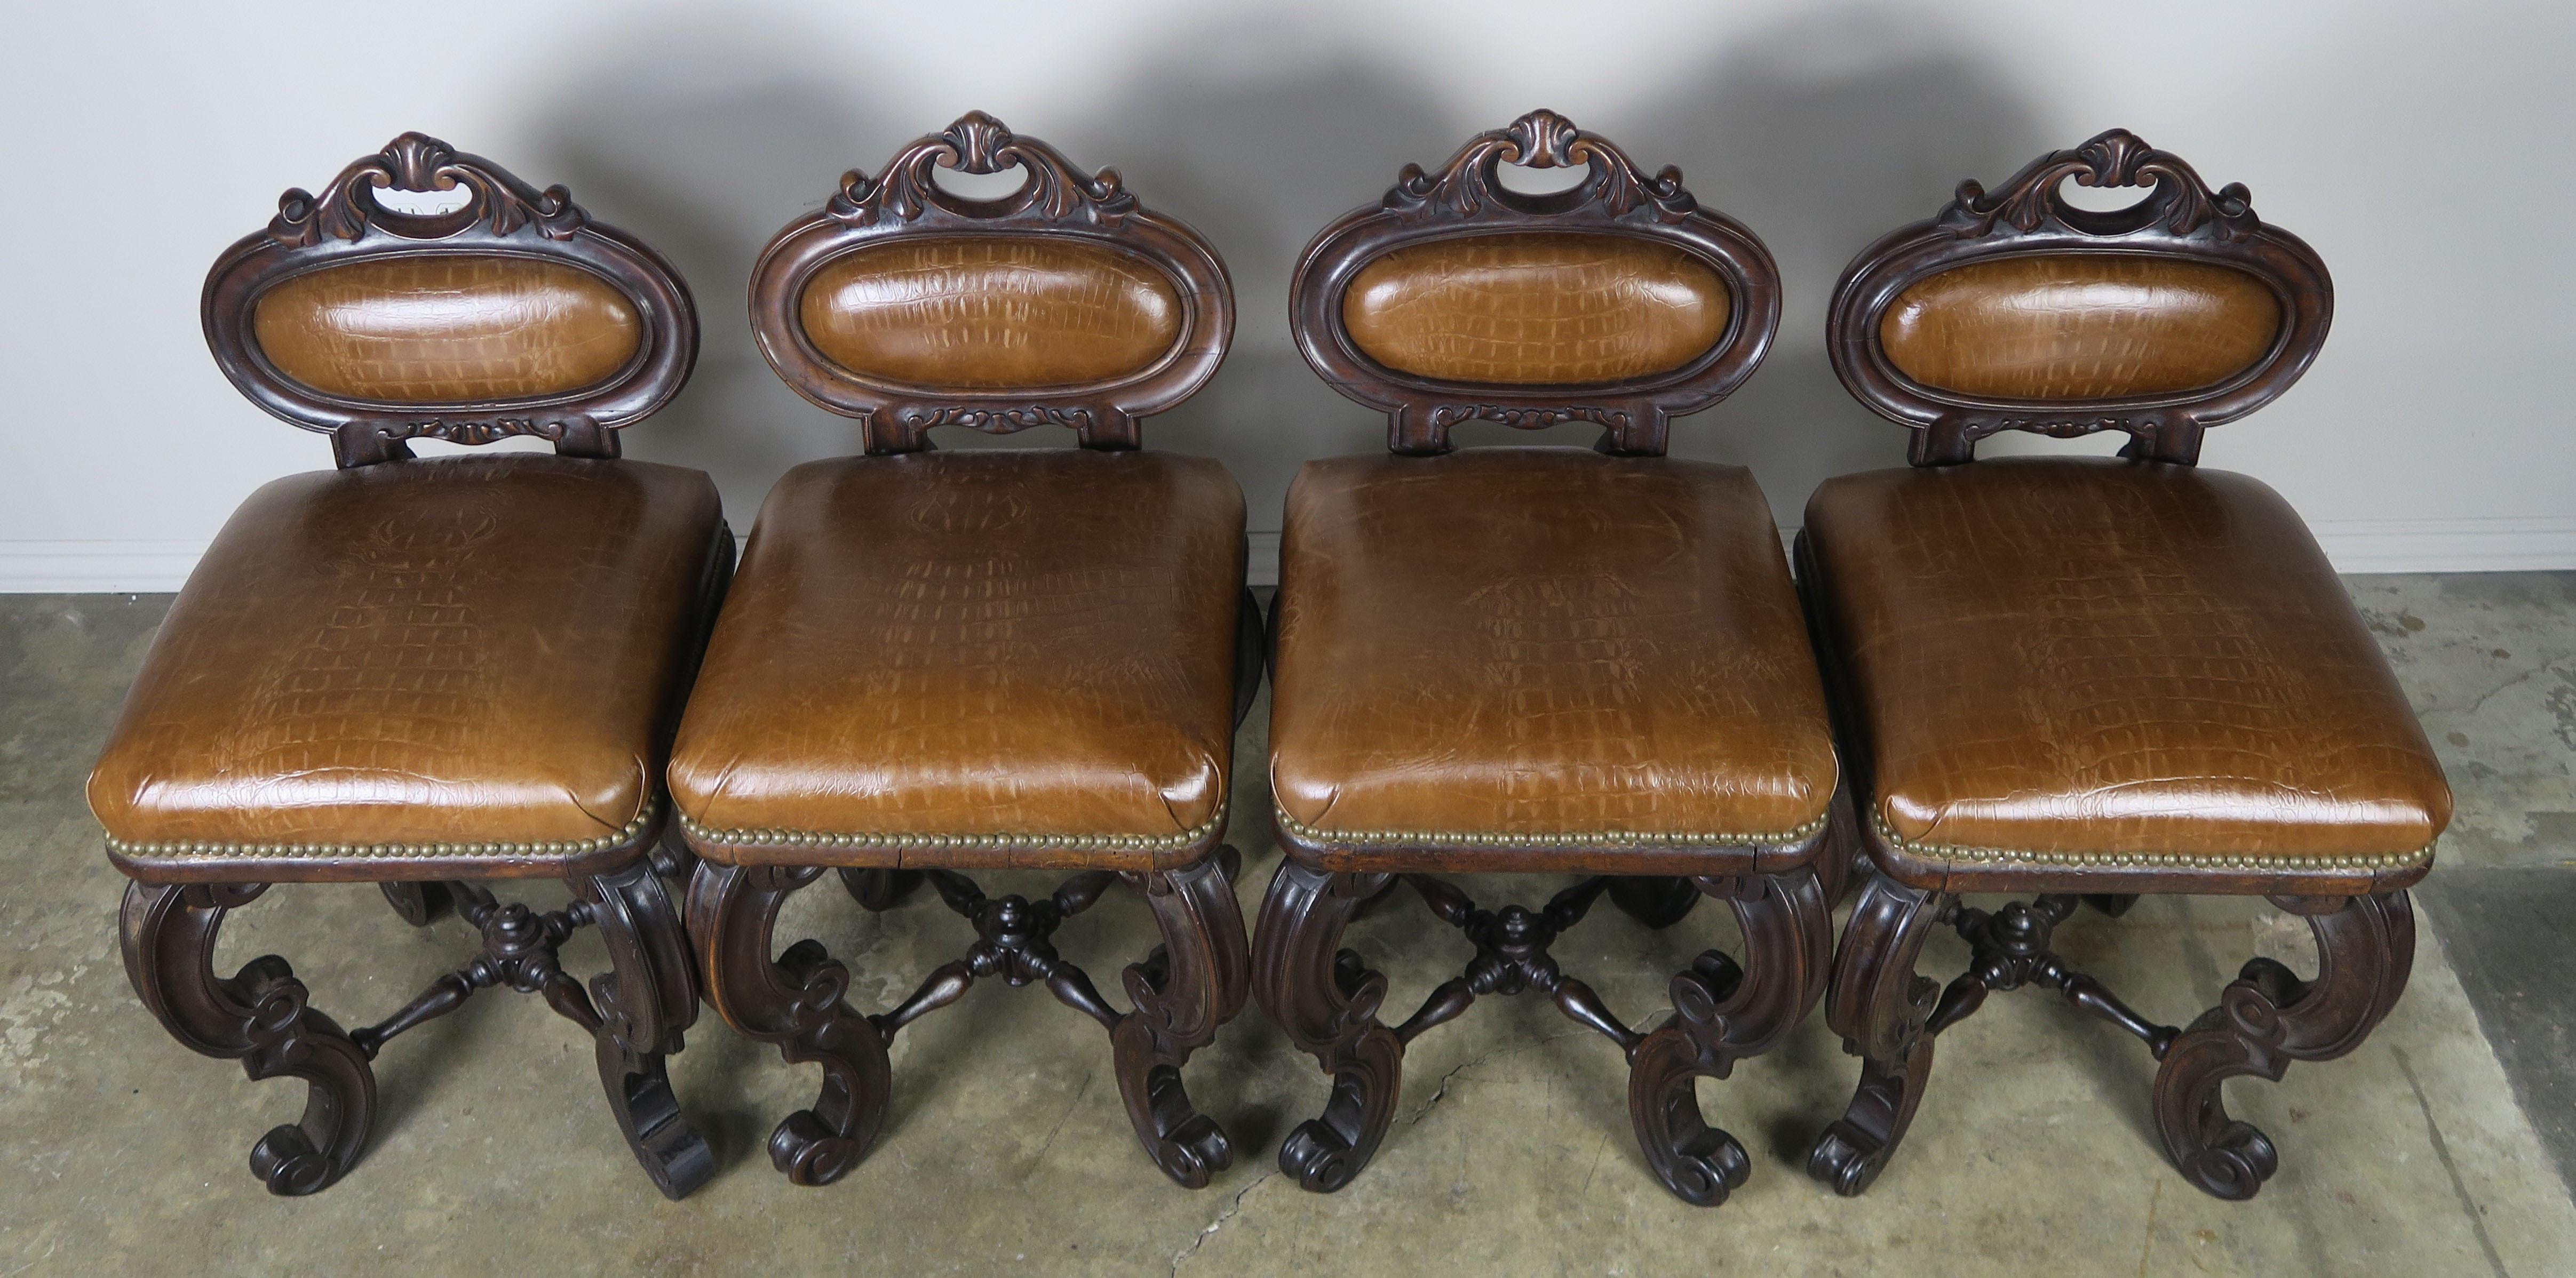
[447,651]
[1508,641]
[1032,642]
[990,313]
[2080,326]
[1535,309]
[2079,656]
[451,328]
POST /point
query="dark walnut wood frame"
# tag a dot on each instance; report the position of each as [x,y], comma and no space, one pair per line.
[1058,201]
[261,1015]
[1468,198]
[501,217]
[1197,979]
[2180,219]
[1325,996]
[2364,926]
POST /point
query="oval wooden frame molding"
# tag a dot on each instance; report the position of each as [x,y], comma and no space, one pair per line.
[502,217]
[1060,201]
[1467,198]
[2180,219]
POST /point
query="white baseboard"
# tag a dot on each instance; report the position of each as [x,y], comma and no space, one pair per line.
[2449,545]
[2356,546]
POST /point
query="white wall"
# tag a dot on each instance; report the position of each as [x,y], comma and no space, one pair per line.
[2421,152]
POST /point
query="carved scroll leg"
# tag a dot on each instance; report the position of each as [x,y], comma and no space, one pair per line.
[258,1017]
[646,1000]
[1327,1001]
[2268,1018]
[795,1002]
[1721,1014]
[1880,1007]
[1195,983]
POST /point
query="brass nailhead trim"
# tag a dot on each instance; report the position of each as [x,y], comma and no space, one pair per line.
[903,839]
[2159,860]
[1566,839]
[189,850]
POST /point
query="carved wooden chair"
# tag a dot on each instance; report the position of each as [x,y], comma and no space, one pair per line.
[941,661]
[1541,660]
[2087,678]
[425,673]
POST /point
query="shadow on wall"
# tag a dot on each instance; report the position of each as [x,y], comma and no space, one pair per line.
[1823,133]
[1258,135]
[703,138]
[1820,133]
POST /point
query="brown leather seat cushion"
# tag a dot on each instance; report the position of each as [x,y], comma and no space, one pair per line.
[1541,658]
[973,658]
[2115,668]
[399,668]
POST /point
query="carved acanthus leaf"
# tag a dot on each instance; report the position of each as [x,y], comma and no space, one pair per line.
[479,431]
[1007,418]
[1526,418]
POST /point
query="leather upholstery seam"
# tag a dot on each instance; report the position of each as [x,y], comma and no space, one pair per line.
[1640,839]
[895,839]
[2158,860]
[196,849]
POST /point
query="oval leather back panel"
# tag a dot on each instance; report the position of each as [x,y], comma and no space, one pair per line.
[990,313]
[447,328]
[1536,309]
[2080,326]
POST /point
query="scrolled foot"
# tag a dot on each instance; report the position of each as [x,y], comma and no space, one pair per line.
[1882,1008]
[1700,1164]
[1327,1001]
[1319,1154]
[259,1017]
[2268,1018]
[797,1003]
[288,1164]
[674,1156]
[1723,1012]
[1186,1144]
[645,1002]
[1855,1148]
[1195,983]
[2234,1165]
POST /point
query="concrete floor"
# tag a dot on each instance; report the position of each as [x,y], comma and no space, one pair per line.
[119,1150]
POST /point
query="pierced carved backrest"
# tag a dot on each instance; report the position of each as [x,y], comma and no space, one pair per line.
[2017,310]
[1618,300]
[909,306]
[509,314]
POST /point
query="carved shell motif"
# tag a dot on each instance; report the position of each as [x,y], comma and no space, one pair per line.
[347,209]
[978,143]
[1470,183]
[2031,198]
